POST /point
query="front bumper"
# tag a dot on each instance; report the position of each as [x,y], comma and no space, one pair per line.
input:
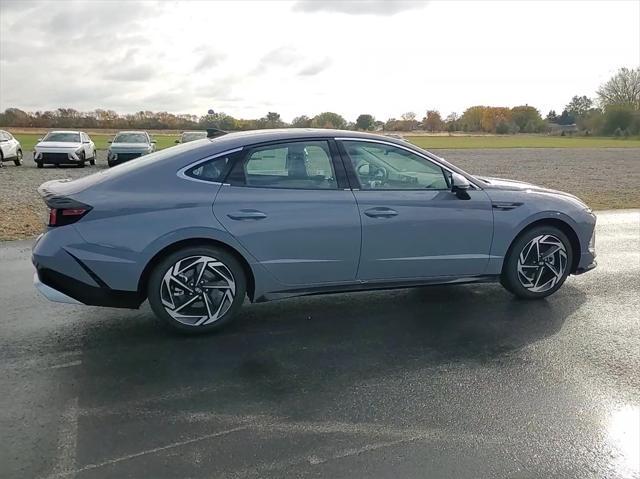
[115,158]
[56,158]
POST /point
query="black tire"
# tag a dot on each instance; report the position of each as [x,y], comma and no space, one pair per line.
[92,161]
[156,285]
[18,160]
[39,164]
[82,162]
[551,238]
[110,163]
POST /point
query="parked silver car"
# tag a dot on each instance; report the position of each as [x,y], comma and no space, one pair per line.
[188,136]
[65,148]
[10,149]
[277,213]
[127,145]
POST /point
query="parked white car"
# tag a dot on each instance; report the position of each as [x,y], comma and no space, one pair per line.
[10,149]
[65,147]
[127,145]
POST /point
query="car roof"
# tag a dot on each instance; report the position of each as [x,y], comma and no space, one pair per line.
[258,136]
[132,131]
[65,131]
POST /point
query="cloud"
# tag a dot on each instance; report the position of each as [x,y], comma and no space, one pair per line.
[359,7]
[208,60]
[316,67]
[134,73]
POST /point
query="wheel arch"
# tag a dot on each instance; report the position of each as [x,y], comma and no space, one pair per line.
[178,245]
[563,226]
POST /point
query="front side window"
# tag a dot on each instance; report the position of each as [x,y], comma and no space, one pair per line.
[63,137]
[385,167]
[301,165]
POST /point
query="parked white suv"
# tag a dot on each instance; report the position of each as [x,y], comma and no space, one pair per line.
[65,147]
[10,149]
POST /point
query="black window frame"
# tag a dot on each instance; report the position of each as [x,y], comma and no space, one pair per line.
[354,179]
[334,157]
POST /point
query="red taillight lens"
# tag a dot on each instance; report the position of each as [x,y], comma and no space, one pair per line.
[65,216]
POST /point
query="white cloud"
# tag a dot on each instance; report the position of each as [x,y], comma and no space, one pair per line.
[247,58]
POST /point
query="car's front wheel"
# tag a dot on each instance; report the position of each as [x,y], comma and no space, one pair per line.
[538,263]
[197,289]
[18,160]
[93,159]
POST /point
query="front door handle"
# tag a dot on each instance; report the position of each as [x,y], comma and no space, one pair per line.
[380,212]
[247,215]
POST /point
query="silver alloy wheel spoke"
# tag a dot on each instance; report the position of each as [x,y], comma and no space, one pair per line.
[542,263]
[197,290]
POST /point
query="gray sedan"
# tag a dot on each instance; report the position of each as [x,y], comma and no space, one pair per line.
[277,213]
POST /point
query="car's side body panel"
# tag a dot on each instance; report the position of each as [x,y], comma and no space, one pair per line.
[300,236]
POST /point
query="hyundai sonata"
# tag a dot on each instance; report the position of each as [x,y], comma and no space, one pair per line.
[277,213]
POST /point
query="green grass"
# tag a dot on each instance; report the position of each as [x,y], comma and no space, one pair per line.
[521,141]
[28,140]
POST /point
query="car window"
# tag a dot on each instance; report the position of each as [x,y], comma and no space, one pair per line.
[303,165]
[214,170]
[131,138]
[63,137]
[385,167]
[4,136]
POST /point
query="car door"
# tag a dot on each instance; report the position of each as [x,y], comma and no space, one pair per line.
[413,226]
[288,204]
[4,144]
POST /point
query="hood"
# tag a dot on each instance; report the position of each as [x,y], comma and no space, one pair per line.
[57,145]
[130,146]
[514,185]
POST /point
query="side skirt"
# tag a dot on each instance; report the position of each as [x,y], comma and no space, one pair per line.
[373,286]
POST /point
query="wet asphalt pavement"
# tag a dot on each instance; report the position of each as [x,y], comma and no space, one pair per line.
[462,381]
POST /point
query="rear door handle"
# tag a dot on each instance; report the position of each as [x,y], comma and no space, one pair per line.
[247,215]
[380,212]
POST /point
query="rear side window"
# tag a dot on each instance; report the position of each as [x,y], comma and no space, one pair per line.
[214,170]
[297,165]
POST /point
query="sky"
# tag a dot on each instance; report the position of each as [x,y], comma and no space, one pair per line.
[243,58]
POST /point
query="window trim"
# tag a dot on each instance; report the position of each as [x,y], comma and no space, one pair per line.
[334,158]
[182,172]
[354,178]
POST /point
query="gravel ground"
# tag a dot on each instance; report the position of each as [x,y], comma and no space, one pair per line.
[605,178]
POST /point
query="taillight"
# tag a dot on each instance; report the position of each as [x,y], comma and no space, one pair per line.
[66,216]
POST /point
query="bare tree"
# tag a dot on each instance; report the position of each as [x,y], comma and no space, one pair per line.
[622,89]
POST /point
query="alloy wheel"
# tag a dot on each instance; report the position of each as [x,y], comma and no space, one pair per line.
[198,290]
[542,263]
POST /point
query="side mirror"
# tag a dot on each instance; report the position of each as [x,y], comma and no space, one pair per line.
[460,185]
[110,141]
[40,139]
[177,141]
[153,141]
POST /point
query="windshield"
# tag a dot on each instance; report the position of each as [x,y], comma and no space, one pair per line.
[63,137]
[131,138]
[193,135]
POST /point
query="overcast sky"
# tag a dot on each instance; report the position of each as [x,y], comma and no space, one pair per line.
[308,56]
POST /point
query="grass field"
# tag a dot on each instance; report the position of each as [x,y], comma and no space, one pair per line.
[28,140]
[520,141]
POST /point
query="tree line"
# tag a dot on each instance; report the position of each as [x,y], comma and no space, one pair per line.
[615,111]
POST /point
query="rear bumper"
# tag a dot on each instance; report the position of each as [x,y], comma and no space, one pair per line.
[61,288]
[52,294]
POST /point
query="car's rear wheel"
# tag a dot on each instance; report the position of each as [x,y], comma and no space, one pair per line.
[197,289]
[18,160]
[538,263]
